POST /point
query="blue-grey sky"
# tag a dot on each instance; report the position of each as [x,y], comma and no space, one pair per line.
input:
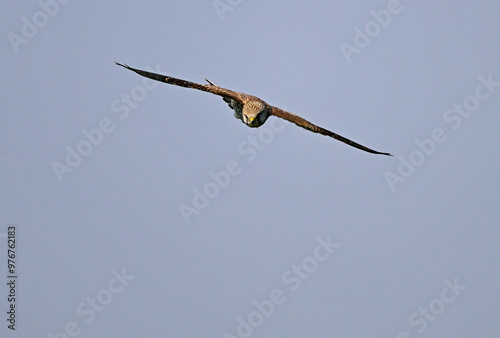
[142,209]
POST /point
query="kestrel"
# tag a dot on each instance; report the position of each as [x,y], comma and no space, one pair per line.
[251,110]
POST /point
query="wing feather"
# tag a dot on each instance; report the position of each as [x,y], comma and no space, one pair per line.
[301,122]
[211,88]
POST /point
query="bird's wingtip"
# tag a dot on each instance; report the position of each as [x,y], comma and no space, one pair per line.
[123,65]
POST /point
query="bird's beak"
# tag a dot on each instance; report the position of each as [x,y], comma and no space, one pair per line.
[251,119]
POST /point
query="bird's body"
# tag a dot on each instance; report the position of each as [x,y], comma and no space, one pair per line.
[251,110]
[254,113]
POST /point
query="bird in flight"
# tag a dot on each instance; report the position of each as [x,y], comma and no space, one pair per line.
[251,110]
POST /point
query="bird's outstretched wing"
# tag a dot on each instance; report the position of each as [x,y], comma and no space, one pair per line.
[301,122]
[211,88]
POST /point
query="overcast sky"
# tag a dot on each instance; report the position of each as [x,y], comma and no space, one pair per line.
[140,209]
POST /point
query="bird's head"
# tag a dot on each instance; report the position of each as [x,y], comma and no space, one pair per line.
[255,113]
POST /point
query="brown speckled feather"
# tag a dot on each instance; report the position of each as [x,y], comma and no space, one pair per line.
[301,122]
[211,88]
